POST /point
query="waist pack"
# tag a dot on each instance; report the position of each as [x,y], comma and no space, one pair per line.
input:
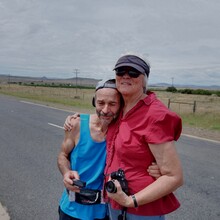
[87,197]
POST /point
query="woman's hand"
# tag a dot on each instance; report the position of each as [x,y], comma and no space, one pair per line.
[120,197]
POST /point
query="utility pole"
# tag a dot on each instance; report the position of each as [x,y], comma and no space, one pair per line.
[76,72]
[172,80]
[9,80]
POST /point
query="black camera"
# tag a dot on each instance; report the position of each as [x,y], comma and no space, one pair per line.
[120,176]
[79,183]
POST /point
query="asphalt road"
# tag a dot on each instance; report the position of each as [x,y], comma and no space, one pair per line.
[31,185]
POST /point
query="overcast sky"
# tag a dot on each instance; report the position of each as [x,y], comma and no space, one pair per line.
[53,38]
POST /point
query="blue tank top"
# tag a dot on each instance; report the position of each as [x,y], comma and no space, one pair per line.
[88,158]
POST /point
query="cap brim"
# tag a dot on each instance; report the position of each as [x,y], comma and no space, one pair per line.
[137,67]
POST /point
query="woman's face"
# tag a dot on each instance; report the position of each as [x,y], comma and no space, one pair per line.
[129,81]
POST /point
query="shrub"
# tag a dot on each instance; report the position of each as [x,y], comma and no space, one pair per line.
[171,89]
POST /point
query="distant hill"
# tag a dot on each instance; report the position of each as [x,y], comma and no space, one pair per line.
[88,82]
[179,86]
[43,80]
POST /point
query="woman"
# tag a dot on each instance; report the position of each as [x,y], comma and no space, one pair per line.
[145,132]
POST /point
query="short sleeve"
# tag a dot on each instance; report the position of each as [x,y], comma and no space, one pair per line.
[164,128]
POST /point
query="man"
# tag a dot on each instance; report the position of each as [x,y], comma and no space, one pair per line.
[83,156]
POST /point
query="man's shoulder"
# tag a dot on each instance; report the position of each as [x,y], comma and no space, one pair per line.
[93,117]
[75,121]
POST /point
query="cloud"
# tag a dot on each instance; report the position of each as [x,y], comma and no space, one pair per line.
[52,38]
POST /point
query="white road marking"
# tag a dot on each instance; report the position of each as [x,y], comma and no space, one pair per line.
[186,135]
[204,139]
[45,106]
[57,126]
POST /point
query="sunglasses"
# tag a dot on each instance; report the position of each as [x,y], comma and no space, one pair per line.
[131,72]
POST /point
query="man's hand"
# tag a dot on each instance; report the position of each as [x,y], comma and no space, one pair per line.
[67,124]
[154,170]
[68,178]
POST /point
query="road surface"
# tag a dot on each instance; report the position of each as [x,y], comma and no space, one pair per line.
[31,185]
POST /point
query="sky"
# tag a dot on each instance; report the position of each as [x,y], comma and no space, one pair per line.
[84,38]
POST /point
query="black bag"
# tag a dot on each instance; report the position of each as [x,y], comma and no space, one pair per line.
[88,197]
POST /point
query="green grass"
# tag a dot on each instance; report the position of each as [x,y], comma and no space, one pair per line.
[64,99]
[207,115]
[203,120]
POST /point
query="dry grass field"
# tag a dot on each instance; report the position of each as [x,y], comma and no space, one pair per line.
[205,119]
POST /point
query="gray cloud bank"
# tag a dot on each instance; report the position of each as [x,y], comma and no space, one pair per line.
[52,38]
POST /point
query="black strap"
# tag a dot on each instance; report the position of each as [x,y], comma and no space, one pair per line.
[122,216]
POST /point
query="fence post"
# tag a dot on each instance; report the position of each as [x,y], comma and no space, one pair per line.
[168,103]
[194,107]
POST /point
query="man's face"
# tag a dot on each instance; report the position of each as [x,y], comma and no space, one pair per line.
[107,103]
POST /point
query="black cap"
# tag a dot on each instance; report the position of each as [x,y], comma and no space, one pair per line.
[110,83]
[135,62]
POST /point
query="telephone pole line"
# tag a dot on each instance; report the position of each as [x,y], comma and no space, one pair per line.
[172,81]
[76,72]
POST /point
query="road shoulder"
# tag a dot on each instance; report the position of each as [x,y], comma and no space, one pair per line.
[3,213]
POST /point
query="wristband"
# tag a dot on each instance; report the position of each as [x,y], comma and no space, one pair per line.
[135,201]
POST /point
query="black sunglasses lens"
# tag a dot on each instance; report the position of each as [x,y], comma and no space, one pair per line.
[120,72]
[133,74]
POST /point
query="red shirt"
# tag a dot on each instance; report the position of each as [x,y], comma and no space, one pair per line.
[150,121]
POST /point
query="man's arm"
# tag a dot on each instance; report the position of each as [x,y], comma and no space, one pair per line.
[63,162]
